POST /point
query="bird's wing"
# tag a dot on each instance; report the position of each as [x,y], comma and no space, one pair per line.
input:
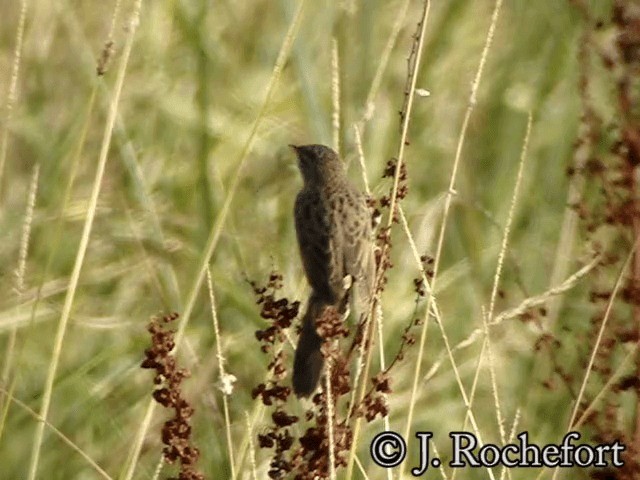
[358,248]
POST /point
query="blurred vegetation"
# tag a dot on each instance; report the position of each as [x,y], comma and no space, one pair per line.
[194,86]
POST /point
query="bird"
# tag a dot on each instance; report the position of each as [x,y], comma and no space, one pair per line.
[334,233]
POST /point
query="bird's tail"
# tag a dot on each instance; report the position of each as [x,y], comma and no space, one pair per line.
[308,360]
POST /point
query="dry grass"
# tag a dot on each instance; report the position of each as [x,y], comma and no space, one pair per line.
[143,149]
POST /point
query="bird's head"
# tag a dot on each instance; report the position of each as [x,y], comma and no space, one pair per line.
[318,164]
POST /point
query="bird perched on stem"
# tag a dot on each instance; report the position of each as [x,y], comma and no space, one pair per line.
[333,227]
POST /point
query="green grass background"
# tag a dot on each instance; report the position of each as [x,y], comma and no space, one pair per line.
[195,83]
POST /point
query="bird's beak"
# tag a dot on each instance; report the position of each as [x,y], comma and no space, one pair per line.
[296,150]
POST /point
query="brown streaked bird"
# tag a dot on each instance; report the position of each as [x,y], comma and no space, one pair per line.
[333,227]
